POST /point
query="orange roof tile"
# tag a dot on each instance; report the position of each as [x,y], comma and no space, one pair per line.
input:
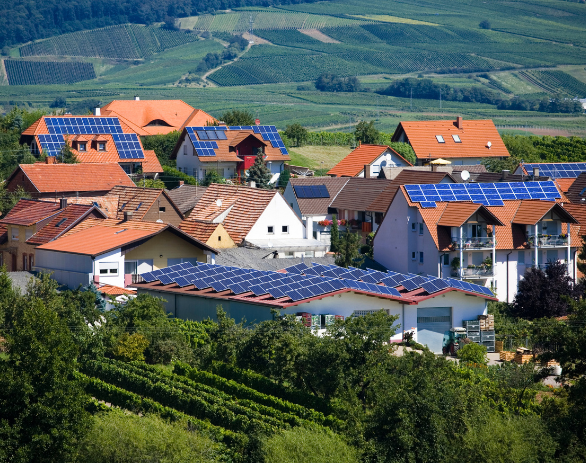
[532,211]
[50,178]
[151,164]
[353,164]
[152,117]
[455,214]
[199,229]
[565,183]
[112,290]
[474,136]
[108,204]
[245,206]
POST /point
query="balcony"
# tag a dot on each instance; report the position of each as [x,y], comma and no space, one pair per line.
[548,241]
[473,244]
[473,272]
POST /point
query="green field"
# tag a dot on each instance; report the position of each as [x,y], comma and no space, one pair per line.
[533,49]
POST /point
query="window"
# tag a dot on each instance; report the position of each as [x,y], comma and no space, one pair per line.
[521,257]
[81,146]
[421,228]
[162,209]
[219,238]
[108,268]
[58,224]
[457,138]
[185,149]
[440,139]
[413,226]
[31,260]
[14,233]
[131,267]
[270,230]
[446,258]
[101,146]
[421,257]
[285,228]
[413,255]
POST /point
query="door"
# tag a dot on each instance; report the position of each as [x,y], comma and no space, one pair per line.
[432,323]
[14,257]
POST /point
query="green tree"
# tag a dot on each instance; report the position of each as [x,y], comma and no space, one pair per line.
[67,155]
[212,176]
[8,199]
[473,353]
[130,347]
[259,172]
[296,132]
[150,183]
[334,234]
[163,145]
[484,24]
[348,253]
[238,117]
[302,445]
[284,178]
[365,132]
[42,406]
[117,437]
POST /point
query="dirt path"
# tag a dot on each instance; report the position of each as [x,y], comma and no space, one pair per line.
[209,83]
[318,35]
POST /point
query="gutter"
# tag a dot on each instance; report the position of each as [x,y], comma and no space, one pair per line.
[508,276]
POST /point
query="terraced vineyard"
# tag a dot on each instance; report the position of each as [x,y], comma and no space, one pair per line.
[21,72]
[129,41]
[219,406]
[556,82]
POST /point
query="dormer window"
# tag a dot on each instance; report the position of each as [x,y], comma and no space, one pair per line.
[440,139]
[456,138]
[101,146]
[82,146]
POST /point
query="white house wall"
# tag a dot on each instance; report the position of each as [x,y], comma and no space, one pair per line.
[70,270]
[291,199]
[188,162]
[277,214]
[111,257]
[387,159]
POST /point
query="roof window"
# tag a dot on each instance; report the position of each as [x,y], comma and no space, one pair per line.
[456,138]
[120,231]
[138,207]
[440,139]
[61,222]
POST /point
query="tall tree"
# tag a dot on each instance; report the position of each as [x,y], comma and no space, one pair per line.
[297,133]
[67,155]
[334,234]
[365,132]
[348,253]
[259,172]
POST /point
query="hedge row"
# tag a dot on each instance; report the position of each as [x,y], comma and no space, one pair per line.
[124,399]
[244,392]
[220,412]
[263,384]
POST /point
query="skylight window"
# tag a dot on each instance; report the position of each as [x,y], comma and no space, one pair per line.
[440,139]
[138,207]
[457,138]
[61,222]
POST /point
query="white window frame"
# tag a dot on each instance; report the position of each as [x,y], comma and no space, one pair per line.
[108,267]
[440,139]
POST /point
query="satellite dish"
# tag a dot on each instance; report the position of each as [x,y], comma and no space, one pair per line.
[489,144]
[219,202]
[465,175]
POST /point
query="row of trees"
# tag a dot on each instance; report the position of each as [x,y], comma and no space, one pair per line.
[333,83]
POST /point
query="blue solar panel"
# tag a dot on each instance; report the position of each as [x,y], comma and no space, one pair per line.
[410,285]
[311,191]
[489,194]
[557,170]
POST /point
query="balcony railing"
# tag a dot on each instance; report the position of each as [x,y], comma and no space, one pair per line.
[137,278]
[475,272]
[487,242]
[548,241]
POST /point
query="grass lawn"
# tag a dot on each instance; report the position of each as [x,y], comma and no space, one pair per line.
[317,157]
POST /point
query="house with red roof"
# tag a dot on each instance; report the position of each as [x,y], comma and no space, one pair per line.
[462,231]
[461,142]
[50,180]
[94,140]
[376,157]
[114,252]
[32,223]
[229,150]
[156,117]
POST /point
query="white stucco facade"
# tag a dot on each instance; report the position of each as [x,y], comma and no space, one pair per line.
[386,159]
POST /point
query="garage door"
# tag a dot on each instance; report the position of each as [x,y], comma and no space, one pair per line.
[432,323]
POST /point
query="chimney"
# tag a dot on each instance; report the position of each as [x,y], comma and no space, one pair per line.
[433,167]
[459,122]
[252,184]
[506,173]
[50,160]
[181,183]
[127,216]
[98,112]
[62,203]
[136,98]
[366,171]
[535,172]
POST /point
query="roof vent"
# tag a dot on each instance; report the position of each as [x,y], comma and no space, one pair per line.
[120,231]
[136,98]
[62,203]
[489,144]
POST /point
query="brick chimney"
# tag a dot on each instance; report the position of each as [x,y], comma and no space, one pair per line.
[62,203]
[50,160]
[459,122]
[181,183]
[128,216]
[366,171]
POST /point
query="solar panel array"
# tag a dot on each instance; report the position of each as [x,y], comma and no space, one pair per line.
[311,191]
[489,194]
[302,281]
[127,144]
[202,137]
[558,170]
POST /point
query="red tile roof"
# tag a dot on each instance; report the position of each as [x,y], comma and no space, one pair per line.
[138,200]
[474,136]
[50,178]
[172,114]
[112,290]
[353,164]
[28,212]
[199,229]
[245,206]
[455,214]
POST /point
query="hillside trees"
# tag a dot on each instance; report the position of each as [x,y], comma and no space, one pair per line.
[365,132]
[333,83]
[237,117]
[297,133]
[163,146]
